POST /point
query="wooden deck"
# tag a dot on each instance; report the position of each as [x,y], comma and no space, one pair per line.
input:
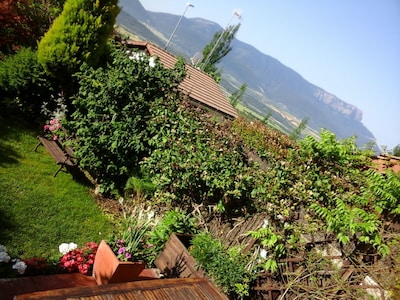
[166,289]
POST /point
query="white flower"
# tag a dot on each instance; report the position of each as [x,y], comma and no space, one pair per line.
[263,253]
[72,246]
[3,248]
[4,257]
[64,248]
[265,224]
[20,266]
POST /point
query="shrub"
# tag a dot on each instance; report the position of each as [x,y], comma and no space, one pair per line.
[198,159]
[113,108]
[23,84]
[225,267]
[173,221]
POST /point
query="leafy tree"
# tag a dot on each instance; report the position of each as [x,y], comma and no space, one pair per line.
[237,96]
[23,22]
[396,150]
[297,131]
[217,49]
[79,35]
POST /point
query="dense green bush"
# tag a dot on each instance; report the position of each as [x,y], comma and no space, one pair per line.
[112,111]
[24,86]
[198,160]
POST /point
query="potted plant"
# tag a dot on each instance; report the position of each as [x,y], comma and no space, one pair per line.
[123,257]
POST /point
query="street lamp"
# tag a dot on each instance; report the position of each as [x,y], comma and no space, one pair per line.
[177,24]
[235,13]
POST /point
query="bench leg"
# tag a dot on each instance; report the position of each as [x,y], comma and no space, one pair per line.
[37,146]
[59,169]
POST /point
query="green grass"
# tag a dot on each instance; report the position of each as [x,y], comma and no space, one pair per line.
[37,211]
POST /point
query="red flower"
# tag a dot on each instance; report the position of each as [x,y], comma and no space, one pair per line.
[80,259]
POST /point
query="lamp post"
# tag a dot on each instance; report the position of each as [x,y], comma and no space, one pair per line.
[235,13]
[177,24]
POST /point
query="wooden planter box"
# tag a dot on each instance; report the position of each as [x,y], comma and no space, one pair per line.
[107,268]
[175,259]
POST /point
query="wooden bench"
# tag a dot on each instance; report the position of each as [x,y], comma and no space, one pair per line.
[63,158]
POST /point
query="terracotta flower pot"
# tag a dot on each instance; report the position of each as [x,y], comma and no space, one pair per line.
[107,268]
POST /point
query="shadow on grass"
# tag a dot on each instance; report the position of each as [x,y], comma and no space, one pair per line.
[8,155]
[79,176]
[7,226]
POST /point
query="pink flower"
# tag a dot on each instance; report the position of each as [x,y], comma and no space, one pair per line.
[55,137]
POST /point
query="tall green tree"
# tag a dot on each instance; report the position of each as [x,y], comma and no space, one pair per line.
[237,96]
[396,150]
[297,131]
[79,35]
[217,49]
[23,22]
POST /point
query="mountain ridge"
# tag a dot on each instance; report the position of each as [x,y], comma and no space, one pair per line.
[273,89]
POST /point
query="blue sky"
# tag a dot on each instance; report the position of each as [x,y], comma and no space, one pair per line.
[349,48]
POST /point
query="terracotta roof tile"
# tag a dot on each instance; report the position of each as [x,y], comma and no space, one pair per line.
[198,85]
[384,162]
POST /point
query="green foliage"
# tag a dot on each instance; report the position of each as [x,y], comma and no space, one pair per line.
[138,187]
[297,131]
[268,143]
[198,160]
[383,191]
[79,35]
[333,154]
[335,168]
[274,242]
[396,150]
[348,222]
[129,243]
[23,84]
[114,108]
[227,268]
[216,50]
[174,221]
[237,96]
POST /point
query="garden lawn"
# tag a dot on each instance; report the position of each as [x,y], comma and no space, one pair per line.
[37,211]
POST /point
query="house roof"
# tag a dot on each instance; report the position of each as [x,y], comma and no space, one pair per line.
[198,85]
[173,289]
[384,161]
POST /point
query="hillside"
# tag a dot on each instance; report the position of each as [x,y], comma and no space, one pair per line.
[273,88]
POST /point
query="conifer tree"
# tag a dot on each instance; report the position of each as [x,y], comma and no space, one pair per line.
[79,34]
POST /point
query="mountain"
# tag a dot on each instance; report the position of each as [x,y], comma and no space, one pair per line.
[273,90]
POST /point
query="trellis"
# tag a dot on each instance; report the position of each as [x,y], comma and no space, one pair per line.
[294,281]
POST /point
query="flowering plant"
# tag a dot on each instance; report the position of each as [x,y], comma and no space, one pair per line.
[55,129]
[78,259]
[16,264]
[130,244]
